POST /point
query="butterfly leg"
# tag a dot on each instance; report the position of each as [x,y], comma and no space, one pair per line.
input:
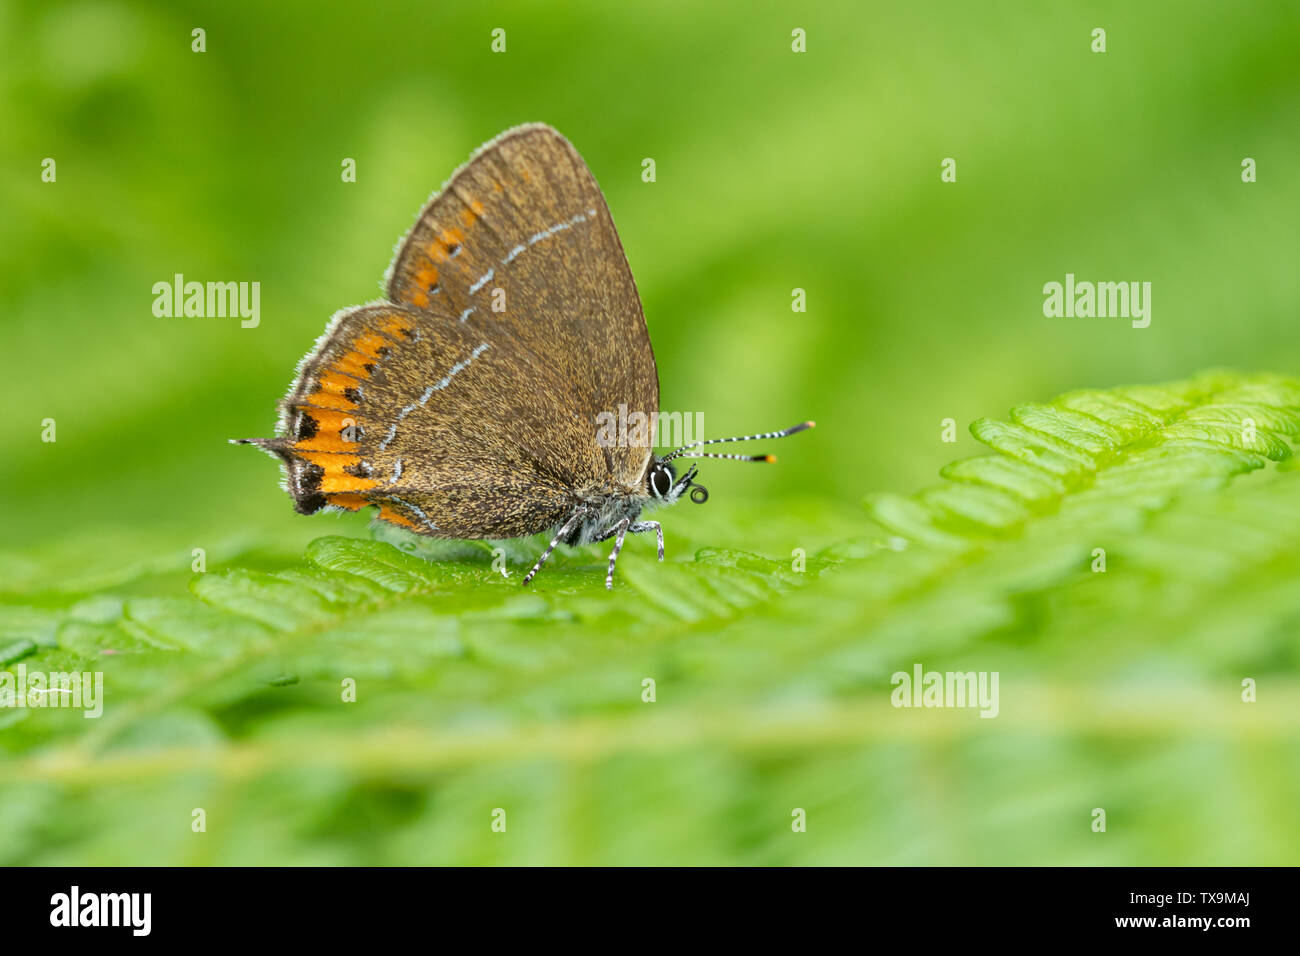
[564,530]
[658,529]
[621,531]
[637,527]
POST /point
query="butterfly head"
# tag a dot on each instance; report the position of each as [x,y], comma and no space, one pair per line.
[663,485]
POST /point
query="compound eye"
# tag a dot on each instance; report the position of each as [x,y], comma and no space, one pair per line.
[661,481]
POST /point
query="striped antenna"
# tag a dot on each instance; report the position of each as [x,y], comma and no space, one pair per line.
[682,452]
[718,454]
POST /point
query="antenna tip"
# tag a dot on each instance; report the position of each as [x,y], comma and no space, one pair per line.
[769,458]
[809,424]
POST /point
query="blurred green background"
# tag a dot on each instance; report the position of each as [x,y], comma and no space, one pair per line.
[775,170]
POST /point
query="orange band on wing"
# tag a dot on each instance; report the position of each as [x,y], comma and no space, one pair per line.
[396,326]
[354,364]
[324,399]
[438,250]
[334,382]
[350,502]
[336,478]
[387,513]
[329,442]
[324,459]
[367,345]
[427,277]
[336,481]
[471,215]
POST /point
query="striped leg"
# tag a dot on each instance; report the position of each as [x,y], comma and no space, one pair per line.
[565,529]
[621,532]
[637,527]
[658,529]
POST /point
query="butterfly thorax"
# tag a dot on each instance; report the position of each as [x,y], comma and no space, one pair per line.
[604,509]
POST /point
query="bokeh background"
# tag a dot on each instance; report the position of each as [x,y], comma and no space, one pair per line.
[775,170]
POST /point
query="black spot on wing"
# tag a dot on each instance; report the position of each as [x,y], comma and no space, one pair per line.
[306,427]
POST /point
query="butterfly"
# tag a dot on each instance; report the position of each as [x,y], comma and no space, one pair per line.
[466,404]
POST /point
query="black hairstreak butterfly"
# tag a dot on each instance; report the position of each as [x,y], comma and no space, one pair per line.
[466,405]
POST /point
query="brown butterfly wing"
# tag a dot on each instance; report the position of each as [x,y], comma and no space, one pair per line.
[463,420]
[524,227]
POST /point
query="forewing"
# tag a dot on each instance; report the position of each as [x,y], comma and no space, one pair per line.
[520,250]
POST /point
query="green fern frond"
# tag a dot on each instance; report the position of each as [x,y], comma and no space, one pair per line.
[773,677]
[1094,456]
